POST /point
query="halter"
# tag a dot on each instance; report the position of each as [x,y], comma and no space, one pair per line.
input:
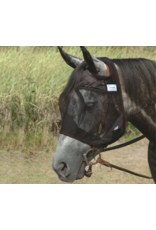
[98,151]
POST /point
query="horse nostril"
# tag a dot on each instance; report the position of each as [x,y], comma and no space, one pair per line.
[63,166]
[62,169]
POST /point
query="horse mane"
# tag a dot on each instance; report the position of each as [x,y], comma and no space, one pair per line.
[139,78]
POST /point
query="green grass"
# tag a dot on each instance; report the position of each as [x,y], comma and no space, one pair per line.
[31,82]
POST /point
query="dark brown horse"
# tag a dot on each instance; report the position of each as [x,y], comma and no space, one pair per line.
[138,85]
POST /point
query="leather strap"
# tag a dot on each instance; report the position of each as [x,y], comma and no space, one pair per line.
[115,104]
[108,71]
[102,162]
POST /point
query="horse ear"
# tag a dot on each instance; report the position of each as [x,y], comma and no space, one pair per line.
[94,64]
[88,58]
[69,59]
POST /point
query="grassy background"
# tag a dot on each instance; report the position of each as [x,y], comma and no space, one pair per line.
[32,79]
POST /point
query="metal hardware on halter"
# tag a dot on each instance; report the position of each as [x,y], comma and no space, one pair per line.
[85,155]
[89,172]
[85,159]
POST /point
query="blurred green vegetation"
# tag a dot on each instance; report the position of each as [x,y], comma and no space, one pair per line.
[32,79]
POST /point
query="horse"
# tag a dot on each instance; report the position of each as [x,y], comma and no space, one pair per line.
[137,79]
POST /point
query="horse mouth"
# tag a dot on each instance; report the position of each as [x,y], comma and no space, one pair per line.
[81,172]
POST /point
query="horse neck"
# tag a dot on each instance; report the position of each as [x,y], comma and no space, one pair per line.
[142,115]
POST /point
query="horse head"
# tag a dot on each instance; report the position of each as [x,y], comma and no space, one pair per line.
[86,114]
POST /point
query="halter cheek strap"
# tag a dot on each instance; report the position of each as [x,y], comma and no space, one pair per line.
[104,111]
[105,108]
[114,101]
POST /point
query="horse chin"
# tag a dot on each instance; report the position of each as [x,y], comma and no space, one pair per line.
[67,180]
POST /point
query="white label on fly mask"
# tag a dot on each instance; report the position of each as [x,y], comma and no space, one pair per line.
[111,87]
[116,127]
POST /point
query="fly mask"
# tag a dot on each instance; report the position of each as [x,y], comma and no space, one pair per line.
[108,89]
